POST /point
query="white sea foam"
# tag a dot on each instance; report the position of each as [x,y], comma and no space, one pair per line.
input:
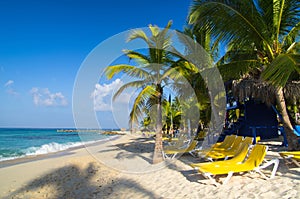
[51,148]
[9,158]
[46,149]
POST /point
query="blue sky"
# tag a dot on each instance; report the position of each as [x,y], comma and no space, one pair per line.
[43,44]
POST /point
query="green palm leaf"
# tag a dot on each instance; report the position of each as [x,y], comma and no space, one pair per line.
[229,20]
[131,71]
[138,57]
[140,101]
[133,84]
[279,71]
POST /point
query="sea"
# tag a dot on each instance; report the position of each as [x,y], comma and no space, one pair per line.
[22,142]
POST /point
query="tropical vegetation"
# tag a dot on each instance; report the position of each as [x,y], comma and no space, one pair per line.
[150,75]
[249,39]
[261,40]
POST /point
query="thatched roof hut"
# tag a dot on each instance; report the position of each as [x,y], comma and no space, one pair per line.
[256,88]
[292,91]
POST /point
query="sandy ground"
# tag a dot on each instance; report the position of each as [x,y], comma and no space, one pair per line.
[122,169]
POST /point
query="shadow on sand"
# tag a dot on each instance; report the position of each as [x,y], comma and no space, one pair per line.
[135,147]
[73,182]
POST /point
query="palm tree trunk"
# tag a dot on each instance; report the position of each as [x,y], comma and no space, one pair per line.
[292,139]
[158,149]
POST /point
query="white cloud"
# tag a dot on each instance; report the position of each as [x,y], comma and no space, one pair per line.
[12,92]
[9,88]
[8,83]
[102,95]
[44,97]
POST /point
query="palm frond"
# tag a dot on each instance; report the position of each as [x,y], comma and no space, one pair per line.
[154,30]
[163,39]
[131,71]
[111,71]
[138,57]
[140,101]
[292,35]
[195,53]
[290,15]
[139,34]
[231,20]
[236,69]
[279,71]
[133,84]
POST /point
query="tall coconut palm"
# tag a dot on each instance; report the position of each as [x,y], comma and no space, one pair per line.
[261,35]
[150,75]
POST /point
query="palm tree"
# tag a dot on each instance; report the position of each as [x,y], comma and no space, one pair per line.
[150,76]
[197,80]
[261,35]
[171,114]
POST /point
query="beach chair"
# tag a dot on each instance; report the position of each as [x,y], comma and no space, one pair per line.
[230,152]
[235,143]
[180,143]
[227,143]
[291,157]
[239,156]
[254,162]
[171,153]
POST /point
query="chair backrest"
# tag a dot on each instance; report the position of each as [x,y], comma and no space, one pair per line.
[248,140]
[192,145]
[241,153]
[236,143]
[256,155]
[227,142]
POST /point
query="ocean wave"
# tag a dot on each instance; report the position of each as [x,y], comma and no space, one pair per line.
[51,148]
[9,154]
[44,149]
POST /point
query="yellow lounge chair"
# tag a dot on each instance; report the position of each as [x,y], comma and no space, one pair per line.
[227,143]
[252,163]
[291,157]
[239,156]
[228,153]
[235,143]
[171,153]
[179,143]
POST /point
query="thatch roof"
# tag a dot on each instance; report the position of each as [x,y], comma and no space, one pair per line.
[255,88]
[292,90]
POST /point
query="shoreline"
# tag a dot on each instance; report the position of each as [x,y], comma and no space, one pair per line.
[31,158]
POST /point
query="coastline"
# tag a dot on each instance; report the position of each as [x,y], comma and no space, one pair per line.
[78,173]
[30,158]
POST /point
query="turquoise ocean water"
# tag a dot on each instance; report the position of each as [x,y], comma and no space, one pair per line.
[17,143]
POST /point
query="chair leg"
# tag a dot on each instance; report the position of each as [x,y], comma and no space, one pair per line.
[295,162]
[192,153]
[228,177]
[173,156]
[165,156]
[273,161]
[212,180]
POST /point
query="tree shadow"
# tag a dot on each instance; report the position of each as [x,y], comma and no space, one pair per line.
[136,147]
[73,182]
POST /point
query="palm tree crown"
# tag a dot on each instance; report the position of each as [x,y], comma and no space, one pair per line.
[261,37]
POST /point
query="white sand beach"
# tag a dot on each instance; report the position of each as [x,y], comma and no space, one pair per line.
[122,169]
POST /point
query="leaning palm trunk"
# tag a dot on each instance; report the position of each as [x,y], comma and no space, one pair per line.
[292,139]
[158,150]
